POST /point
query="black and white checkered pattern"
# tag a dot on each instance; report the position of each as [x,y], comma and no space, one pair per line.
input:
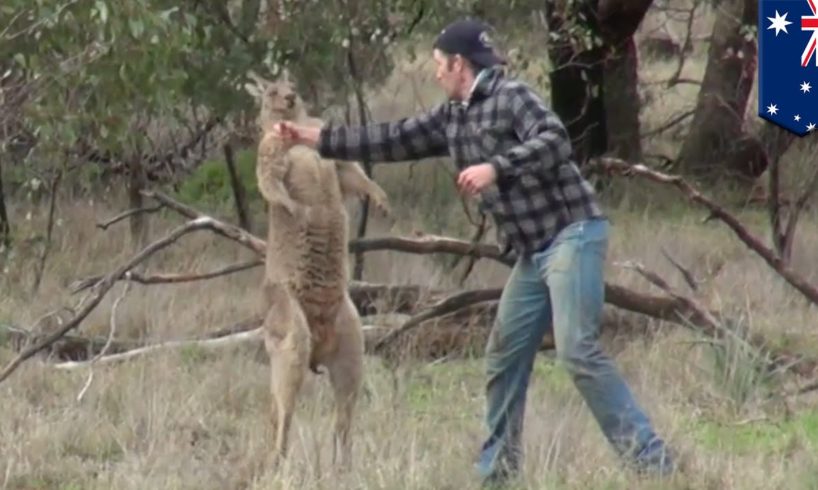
[539,189]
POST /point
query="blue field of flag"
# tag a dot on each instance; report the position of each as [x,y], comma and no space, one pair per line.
[788,64]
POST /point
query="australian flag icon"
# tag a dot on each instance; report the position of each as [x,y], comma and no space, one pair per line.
[788,64]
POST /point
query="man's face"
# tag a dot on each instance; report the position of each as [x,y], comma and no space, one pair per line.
[449,74]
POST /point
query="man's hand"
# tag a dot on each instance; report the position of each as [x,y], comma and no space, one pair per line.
[296,134]
[474,179]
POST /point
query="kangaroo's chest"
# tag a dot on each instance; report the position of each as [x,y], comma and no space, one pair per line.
[311,180]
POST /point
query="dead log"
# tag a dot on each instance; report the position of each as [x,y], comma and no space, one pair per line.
[67,348]
[230,339]
[430,244]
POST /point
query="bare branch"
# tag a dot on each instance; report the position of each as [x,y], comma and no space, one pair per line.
[148,209]
[613,165]
[226,230]
[478,235]
[686,274]
[678,119]
[448,305]
[168,278]
[686,46]
[709,323]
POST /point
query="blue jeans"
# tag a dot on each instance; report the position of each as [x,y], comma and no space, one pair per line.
[561,286]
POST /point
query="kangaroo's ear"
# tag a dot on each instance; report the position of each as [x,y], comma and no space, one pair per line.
[253,89]
[260,81]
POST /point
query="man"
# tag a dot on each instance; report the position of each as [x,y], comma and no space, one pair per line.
[515,154]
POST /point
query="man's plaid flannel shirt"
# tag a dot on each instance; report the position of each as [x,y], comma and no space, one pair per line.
[539,189]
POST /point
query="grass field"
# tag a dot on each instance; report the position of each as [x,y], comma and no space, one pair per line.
[194,419]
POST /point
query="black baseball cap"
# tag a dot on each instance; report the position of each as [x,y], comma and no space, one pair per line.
[471,39]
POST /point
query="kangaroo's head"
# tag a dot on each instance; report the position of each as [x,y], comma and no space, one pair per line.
[278,100]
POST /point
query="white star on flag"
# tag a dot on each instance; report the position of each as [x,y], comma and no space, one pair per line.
[810,126]
[779,23]
[797,118]
[772,109]
[805,86]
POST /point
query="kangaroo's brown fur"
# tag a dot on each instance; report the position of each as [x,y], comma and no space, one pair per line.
[310,319]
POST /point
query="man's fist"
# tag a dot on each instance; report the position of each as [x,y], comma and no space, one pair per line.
[296,134]
[474,179]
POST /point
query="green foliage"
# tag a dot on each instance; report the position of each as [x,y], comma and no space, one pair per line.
[209,184]
[102,73]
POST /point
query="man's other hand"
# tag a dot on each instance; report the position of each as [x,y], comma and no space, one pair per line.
[474,179]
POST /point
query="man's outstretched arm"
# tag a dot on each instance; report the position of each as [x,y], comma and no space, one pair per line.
[409,138]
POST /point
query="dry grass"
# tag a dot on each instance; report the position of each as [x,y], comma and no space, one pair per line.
[194,419]
[191,419]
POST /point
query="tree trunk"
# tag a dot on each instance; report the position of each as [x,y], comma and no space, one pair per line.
[618,21]
[577,78]
[716,131]
[622,104]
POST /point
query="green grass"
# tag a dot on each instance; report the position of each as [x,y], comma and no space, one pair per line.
[770,437]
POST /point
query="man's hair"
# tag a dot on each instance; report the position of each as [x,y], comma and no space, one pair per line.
[473,66]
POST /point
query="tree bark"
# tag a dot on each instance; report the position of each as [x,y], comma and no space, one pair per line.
[618,22]
[621,95]
[619,19]
[755,153]
[716,130]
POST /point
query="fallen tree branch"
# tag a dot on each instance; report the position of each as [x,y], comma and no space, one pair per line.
[136,277]
[430,244]
[367,296]
[444,307]
[231,339]
[101,288]
[615,165]
[226,230]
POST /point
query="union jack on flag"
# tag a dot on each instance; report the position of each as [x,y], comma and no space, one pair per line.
[788,64]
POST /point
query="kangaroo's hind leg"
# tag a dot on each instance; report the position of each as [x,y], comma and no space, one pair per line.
[287,340]
[345,366]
